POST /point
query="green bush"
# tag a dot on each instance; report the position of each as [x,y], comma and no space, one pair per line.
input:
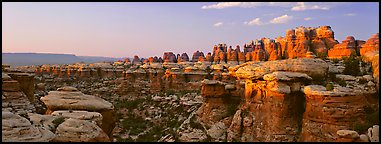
[335,61]
[329,87]
[351,66]
[319,79]
[129,104]
[321,55]
[195,124]
[58,121]
[341,82]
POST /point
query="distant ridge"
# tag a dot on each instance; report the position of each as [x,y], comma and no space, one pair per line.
[22,59]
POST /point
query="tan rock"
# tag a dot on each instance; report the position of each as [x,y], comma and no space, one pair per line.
[75,130]
[364,138]
[233,132]
[18,129]
[64,100]
[217,131]
[286,76]
[256,70]
[81,115]
[43,120]
[348,134]
[67,88]
[213,88]
[374,134]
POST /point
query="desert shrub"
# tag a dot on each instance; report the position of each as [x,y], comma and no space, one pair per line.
[152,135]
[341,82]
[361,127]
[335,61]
[321,55]
[186,78]
[135,124]
[372,118]
[58,121]
[195,124]
[362,81]
[351,66]
[129,104]
[319,79]
[331,77]
[329,87]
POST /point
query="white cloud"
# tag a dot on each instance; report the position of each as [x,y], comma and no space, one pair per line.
[281,19]
[301,6]
[294,6]
[222,5]
[218,24]
[256,21]
[350,14]
[307,18]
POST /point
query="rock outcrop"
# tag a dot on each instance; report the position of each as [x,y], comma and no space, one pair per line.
[75,130]
[69,98]
[18,129]
[345,49]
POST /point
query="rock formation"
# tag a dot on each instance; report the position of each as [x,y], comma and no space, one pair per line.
[69,98]
[346,48]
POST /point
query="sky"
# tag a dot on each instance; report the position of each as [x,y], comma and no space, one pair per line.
[149,29]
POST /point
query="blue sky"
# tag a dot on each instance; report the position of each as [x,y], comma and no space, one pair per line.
[150,29]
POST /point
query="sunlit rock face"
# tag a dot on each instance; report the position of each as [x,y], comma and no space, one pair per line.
[372,44]
[345,49]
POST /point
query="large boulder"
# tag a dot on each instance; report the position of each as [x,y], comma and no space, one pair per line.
[75,100]
[18,129]
[75,130]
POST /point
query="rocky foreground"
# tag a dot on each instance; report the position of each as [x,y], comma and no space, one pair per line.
[304,87]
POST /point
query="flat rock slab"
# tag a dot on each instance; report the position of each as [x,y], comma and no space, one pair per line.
[256,70]
[62,100]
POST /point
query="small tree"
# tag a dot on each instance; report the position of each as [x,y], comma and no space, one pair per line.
[351,66]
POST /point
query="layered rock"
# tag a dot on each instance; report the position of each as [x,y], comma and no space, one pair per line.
[329,111]
[256,70]
[345,49]
[75,130]
[272,110]
[18,129]
[372,44]
[71,99]
[14,99]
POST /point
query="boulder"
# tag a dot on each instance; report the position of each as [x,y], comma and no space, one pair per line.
[217,131]
[75,100]
[374,134]
[81,115]
[348,134]
[75,130]
[18,129]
